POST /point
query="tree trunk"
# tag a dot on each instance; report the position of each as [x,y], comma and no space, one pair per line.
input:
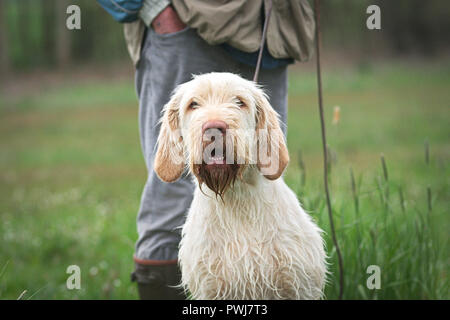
[49,27]
[4,55]
[62,34]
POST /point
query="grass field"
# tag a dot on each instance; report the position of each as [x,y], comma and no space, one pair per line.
[71,175]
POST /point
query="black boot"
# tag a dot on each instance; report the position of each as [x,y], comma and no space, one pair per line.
[158,282]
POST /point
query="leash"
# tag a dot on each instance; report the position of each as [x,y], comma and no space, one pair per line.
[268,11]
[324,145]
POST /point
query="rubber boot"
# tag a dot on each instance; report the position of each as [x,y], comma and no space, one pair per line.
[158,282]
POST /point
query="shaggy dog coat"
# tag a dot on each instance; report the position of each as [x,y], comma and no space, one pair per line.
[246,235]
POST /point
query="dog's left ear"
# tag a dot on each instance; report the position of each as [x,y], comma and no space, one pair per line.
[273,156]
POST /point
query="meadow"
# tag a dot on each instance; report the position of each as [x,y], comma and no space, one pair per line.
[71,176]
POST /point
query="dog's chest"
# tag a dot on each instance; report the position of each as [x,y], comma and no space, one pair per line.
[231,252]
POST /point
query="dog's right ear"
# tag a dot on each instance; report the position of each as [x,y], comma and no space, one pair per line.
[169,160]
[274,157]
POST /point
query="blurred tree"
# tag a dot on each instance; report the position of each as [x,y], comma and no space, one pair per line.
[417,26]
[48,24]
[4,54]
[33,33]
[24,31]
[62,34]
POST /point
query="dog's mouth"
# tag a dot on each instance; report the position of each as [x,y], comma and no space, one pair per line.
[212,161]
[214,153]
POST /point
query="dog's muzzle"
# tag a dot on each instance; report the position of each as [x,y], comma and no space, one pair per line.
[215,171]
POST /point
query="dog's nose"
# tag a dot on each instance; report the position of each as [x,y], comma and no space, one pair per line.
[215,124]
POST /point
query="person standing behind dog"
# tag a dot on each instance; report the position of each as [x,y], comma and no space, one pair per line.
[171,41]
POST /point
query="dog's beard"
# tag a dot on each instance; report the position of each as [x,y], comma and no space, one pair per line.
[219,169]
[218,178]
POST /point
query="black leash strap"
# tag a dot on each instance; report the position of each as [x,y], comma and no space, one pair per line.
[268,10]
[325,153]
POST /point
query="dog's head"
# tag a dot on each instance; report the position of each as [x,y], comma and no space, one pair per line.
[219,124]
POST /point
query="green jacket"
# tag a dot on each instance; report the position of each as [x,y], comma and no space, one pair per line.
[290,32]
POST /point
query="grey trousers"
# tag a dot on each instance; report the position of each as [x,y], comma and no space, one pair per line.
[167,61]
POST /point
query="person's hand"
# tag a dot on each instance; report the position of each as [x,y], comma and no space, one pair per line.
[167,21]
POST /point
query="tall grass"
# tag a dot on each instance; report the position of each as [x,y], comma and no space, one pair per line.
[401,236]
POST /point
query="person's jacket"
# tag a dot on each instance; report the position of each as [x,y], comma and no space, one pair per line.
[239,23]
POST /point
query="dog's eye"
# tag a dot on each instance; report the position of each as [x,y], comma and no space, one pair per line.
[193,105]
[240,103]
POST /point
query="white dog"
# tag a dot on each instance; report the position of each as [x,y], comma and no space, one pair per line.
[245,236]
